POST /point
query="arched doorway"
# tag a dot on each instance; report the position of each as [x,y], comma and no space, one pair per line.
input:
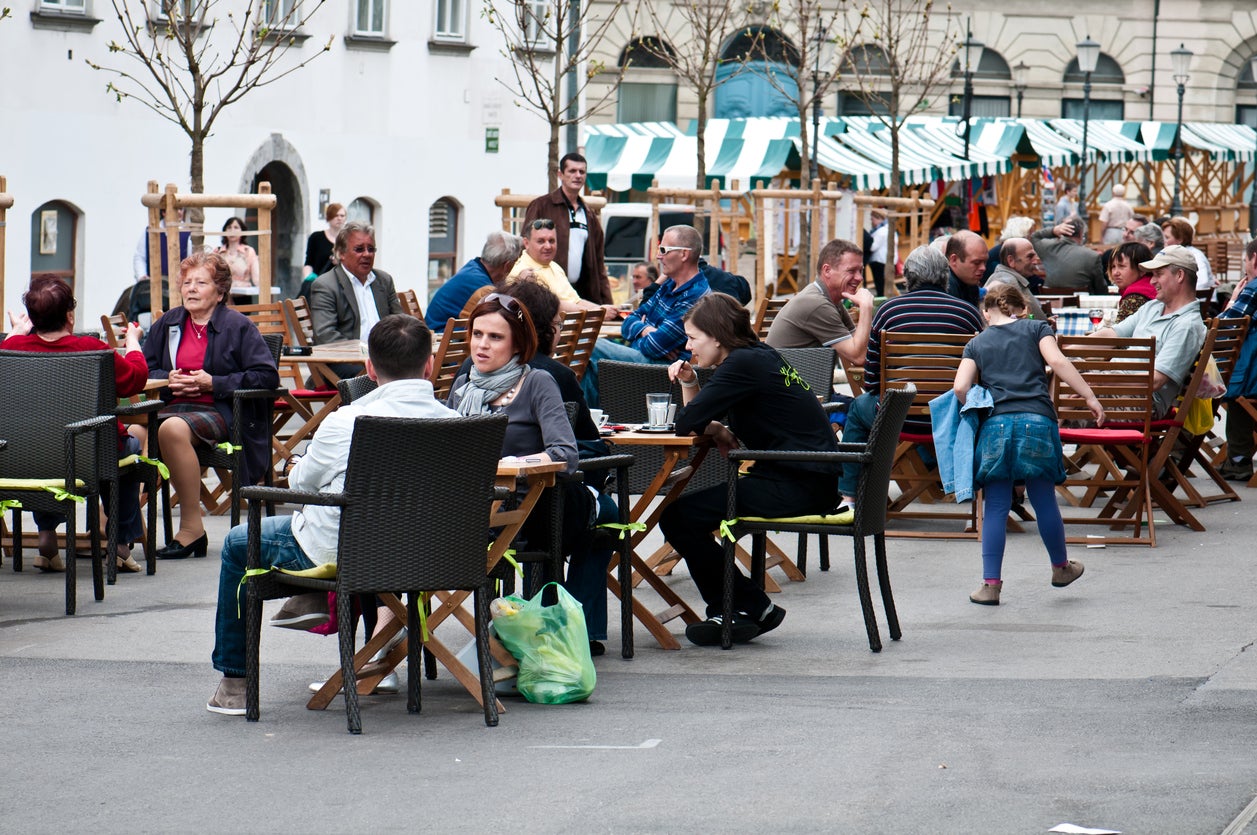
[277,162]
[287,242]
[442,242]
[55,242]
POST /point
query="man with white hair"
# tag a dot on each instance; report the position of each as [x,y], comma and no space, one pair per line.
[1114,215]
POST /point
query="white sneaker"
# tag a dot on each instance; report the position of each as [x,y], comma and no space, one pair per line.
[389,684]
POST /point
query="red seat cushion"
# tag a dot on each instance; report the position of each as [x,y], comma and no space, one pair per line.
[913,438]
[1124,437]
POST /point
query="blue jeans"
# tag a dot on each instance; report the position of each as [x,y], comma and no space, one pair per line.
[587,576]
[608,350]
[859,424]
[279,550]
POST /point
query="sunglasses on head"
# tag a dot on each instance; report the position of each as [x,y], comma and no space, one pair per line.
[542,223]
[508,302]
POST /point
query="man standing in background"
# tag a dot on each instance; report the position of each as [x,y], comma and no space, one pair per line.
[577,229]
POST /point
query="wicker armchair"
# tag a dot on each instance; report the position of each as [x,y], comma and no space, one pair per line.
[870,513]
[63,435]
[415,515]
[354,387]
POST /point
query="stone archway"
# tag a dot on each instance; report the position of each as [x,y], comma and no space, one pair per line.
[277,162]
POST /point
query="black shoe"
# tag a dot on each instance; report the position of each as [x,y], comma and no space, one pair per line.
[771,620]
[597,648]
[707,633]
[175,551]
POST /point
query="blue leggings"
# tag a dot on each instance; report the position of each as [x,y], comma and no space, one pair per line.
[998,500]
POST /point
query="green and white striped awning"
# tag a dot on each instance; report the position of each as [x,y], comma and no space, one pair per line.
[755,151]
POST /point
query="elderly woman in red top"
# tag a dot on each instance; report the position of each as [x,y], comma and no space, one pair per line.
[48,327]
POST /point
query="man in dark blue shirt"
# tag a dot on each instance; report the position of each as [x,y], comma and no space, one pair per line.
[966,256]
[500,253]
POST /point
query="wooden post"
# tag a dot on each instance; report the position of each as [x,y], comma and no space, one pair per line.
[764,256]
[814,228]
[6,200]
[174,235]
[264,246]
[735,234]
[154,250]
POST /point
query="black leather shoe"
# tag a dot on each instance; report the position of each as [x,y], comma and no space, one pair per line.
[176,551]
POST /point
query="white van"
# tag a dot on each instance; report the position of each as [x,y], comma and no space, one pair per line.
[629,238]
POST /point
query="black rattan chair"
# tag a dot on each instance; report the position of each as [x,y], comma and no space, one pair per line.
[218,459]
[62,434]
[870,512]
[415,516]
[354,387]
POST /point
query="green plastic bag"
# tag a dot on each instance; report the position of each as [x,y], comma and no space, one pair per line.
[551,645]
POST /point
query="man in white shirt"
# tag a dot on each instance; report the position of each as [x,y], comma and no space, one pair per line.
[400,360]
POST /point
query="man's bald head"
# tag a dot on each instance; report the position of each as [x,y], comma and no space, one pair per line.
[966,255]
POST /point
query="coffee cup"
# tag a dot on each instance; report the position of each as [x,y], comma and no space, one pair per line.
[599,417]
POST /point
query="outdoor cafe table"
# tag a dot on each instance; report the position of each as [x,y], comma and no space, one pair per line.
[676,449]
[537,478]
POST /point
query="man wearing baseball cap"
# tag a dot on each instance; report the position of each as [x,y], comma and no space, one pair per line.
[1173,317]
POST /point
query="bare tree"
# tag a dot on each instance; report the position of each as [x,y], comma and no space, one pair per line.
[188,65]
[709,24]
[551,43]
[798,72]
[900,64]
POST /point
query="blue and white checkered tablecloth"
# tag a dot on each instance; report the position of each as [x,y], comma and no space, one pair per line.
[1072,321]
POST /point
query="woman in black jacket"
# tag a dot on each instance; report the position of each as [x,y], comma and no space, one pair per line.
[768,407]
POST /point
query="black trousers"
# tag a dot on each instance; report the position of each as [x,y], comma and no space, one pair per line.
[691,523]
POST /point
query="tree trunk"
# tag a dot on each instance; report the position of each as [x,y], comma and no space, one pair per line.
[195,217]
[552,163]
[895,123]
[700,178]
[808,217]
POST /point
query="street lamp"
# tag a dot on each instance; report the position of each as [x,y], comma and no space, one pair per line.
[1180,61]
[815,167]
[1088,57]
[1252,206]
[1019,82]
[973,55]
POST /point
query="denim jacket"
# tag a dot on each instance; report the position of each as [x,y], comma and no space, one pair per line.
[955,436]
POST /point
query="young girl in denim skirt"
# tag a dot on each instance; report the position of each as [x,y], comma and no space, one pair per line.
[1019,440]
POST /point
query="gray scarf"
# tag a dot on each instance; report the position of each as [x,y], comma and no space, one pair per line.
[482,389]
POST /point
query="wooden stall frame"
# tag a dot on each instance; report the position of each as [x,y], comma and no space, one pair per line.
[171,201]
[6,201]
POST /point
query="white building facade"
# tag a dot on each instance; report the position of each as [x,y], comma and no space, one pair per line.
[402,120]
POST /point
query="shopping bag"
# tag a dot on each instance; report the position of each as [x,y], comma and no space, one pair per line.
[550,643]
[1199,417]
[1212,386]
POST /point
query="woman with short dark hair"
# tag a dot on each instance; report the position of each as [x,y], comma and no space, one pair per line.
[48,327]
[1134,283]
[769,407]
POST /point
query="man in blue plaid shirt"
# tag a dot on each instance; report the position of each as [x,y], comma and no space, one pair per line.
[654,333]
[1243,382]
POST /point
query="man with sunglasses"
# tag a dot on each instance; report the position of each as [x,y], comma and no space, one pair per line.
[655,333]
[538,257]
[578,233]
[347,301]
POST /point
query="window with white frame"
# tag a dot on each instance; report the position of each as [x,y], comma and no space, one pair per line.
[281,13]
[451,20]
[64,6]
[369,18]
[537,20]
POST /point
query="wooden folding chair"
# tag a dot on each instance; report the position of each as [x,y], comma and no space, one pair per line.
[1210,451]
[1119,372]
[114,328]
[1226,337]
[410,303]
[583,345]
[928,362]
[475,299]
[765,312]
[455,347]
[569,332]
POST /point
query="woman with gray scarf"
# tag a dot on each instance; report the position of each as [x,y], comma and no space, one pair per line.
[503,340]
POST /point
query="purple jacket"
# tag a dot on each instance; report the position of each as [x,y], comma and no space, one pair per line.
[236,357]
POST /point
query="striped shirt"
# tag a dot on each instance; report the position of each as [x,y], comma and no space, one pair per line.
[921,311]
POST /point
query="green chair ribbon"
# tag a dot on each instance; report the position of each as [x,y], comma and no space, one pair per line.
[229,448]
[509,556]
[63,495]
[423,615]
[162,469]
[249,572]
[10,504]
[726,529]
[624,528]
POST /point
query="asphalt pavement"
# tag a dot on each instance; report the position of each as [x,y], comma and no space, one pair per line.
[1127,701]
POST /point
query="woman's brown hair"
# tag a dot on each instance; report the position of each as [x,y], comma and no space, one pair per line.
[523,334]
[724,319]
[1006,298]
